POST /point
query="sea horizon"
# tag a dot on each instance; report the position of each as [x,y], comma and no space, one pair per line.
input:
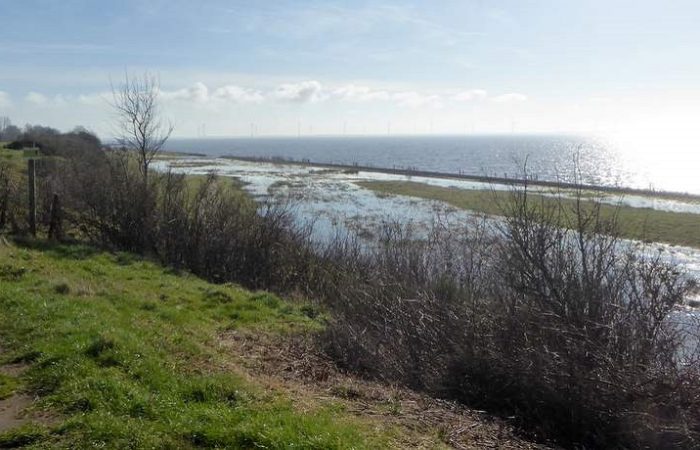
[569,157]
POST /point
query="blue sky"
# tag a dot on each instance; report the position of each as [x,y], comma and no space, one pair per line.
[359,67]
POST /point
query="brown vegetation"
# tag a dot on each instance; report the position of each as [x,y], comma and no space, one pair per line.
[296,363]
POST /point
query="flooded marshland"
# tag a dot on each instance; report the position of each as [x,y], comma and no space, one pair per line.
[334,203]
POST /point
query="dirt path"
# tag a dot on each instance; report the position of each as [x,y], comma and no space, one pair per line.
[17,409]
[12,411]
[293,365]
[12,408]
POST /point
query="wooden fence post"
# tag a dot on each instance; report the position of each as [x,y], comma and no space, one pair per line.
[31,176]
[55,224]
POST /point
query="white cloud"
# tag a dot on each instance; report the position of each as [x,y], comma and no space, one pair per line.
[95,99]
[412,99]
[512,97]
[5,101]
[304,92]
[237,94]
[199,93]
[37,98]
[470,95]
[40,99]
[309,91]
[355,93]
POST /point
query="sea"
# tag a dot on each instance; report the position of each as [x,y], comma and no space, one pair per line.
[569,158]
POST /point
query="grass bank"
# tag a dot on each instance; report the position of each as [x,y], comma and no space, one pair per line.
[13,157]
[643,224]
[118,352]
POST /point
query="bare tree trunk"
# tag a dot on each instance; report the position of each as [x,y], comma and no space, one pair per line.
[4,195]
[3,211]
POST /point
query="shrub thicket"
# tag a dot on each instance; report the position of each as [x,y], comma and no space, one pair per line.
[570,331]
[12,186]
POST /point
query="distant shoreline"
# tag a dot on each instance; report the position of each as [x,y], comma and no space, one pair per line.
[471,177]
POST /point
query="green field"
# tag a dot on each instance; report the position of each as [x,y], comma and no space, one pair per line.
[13,157]
[17,159]
[119,352]
[635,223]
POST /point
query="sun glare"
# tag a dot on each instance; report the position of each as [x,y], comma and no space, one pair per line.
[662,152]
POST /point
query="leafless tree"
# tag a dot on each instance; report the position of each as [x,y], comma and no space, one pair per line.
[140,127]
[4,123]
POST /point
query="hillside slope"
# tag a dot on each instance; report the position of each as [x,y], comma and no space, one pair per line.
[109,350]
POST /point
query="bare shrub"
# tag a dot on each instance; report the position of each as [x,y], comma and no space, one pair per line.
[13,211]
[399,308]
[202,226]
[233,239]
[583,325]
[110,205]
[566,329]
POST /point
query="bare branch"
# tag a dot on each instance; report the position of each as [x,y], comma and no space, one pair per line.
[140,129]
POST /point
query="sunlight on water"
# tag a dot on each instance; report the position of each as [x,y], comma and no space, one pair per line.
[636,160]
[665,159]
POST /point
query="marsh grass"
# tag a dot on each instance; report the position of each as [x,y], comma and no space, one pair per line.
[643,224]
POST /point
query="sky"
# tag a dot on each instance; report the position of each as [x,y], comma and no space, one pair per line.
[236,68]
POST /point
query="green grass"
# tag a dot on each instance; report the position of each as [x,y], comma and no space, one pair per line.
[15,158]
[234,186]
[8,385]
[124,353]
[172,156]
[643,224]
